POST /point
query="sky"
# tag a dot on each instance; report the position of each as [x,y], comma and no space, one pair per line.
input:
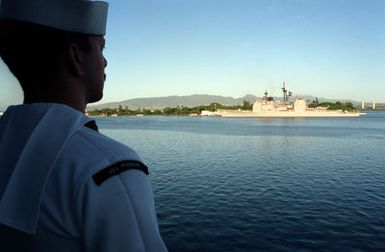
[324,48]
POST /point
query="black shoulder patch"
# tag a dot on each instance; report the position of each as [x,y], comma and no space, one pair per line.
[117,168]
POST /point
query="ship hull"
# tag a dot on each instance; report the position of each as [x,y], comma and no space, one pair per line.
[287,114]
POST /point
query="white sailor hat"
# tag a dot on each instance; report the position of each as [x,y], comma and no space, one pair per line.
[82,16]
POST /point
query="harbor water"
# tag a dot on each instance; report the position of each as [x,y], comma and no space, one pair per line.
[263,184]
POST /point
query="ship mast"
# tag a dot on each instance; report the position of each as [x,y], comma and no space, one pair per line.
[284,91]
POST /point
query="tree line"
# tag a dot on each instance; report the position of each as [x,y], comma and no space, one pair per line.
[170,111]
[346,106]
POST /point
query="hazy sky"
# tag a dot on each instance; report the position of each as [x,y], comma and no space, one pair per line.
[326,48]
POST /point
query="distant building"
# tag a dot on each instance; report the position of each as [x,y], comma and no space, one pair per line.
[207,113]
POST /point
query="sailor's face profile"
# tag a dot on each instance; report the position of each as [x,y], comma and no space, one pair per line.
[95,64]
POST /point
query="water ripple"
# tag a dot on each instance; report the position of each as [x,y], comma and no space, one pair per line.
[264,185]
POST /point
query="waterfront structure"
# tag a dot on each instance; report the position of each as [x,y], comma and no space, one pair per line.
[207,113]
[373,105]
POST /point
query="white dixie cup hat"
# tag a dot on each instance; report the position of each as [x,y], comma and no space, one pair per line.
[82,16]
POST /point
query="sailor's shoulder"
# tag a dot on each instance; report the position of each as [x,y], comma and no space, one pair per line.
[88,151]
[97,143]
[91,156]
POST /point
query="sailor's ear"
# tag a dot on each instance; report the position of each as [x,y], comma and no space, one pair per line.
[75,59]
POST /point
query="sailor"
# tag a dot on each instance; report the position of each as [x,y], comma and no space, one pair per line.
[63,185]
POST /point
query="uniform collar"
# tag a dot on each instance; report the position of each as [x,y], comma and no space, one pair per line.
[92,125]
[53,125]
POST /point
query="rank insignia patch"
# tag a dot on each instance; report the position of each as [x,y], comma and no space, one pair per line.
[117,168]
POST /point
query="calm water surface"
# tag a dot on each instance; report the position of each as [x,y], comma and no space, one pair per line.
[263,184]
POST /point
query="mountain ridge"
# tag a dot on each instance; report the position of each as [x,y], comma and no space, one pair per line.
[193,101]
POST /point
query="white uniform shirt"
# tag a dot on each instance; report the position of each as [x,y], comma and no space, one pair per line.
[66,187]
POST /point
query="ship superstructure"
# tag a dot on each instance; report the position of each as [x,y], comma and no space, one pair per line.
[268,107]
